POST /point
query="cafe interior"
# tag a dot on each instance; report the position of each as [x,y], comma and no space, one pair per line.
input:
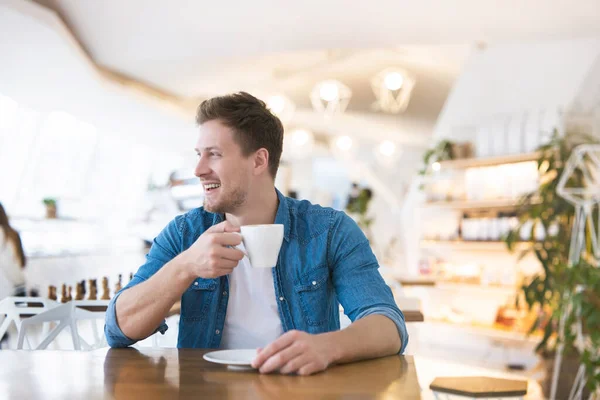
[462,137]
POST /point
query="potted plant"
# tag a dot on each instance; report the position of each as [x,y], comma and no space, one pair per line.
[50,204]
[553,291]
[440,152]
[358,208]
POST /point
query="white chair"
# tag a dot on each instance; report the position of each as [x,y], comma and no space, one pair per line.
[18,309]
[95,310]
[67,315]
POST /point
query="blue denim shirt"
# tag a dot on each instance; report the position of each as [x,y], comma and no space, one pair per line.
[325,260]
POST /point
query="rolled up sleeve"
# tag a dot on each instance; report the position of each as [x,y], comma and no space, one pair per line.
[164,248]
[114,335]
[359,286]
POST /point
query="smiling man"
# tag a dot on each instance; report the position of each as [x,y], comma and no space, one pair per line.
[289,312]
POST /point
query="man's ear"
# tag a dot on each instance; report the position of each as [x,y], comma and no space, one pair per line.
[261,161]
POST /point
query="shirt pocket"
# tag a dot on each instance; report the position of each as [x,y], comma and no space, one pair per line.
[313,290]
[196,300]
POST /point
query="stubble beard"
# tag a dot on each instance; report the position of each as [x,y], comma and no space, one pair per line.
[229,203]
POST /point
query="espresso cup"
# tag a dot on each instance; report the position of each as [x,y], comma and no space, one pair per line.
[262,244]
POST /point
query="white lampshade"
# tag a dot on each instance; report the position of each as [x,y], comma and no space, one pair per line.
[392,88]
[330,97]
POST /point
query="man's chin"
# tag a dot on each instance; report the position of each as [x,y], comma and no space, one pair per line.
[214,208]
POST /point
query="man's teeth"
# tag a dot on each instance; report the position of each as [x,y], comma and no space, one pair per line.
[212,186]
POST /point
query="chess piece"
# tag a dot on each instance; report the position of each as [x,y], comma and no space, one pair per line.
[118,286]
[69,291]
[63,293]
[105,290]
[83,291]
[52,293]
[79,291]
[93,290]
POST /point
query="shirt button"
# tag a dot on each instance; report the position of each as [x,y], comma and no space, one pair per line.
[224,293]
[281,299]
[314,282]
[217,331]
[195,283]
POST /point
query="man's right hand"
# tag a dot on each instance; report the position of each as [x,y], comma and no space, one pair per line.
[210,257]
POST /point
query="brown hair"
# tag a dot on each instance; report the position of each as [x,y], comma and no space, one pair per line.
[12,236]
[255,126]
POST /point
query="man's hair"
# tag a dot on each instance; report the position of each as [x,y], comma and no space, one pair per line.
[254,125]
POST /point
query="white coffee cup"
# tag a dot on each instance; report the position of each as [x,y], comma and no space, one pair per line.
[262,244]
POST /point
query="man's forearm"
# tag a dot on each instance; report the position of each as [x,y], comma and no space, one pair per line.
[142,308]
[370,337]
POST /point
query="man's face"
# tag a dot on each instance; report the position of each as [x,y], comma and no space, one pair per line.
[224,172]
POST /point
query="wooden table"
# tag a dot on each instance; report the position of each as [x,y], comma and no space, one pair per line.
[182,373]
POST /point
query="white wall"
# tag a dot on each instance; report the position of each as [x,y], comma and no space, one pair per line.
[514,78]
[43,68]
[109,141]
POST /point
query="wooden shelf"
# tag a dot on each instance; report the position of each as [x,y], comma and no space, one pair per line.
[473,205]
[488,161]
[449,285]
[465,245]
[492,332]
[474,287]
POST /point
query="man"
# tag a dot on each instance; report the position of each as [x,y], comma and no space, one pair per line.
[290,312]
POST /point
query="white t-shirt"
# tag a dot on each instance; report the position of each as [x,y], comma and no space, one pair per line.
[252,318]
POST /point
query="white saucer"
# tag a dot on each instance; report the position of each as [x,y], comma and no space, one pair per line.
[238,357]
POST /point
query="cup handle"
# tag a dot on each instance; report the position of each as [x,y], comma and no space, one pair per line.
[239,247]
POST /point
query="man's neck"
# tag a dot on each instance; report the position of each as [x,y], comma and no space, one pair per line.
[260,208]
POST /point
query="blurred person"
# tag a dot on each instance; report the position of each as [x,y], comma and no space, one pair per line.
[12,256]
[289,312]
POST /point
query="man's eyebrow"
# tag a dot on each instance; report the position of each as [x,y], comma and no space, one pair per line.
[208,149]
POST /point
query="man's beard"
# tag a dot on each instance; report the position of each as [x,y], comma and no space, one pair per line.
[228,203]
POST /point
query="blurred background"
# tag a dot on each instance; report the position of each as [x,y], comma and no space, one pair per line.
[423,120]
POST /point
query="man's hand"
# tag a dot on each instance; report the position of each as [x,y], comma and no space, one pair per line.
[210,257]
[296,352]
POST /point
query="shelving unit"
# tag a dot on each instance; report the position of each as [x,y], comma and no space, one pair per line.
[473,205]
[478,302]
[487,162]
[471,245]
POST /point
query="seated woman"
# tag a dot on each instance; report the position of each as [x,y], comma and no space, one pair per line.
[12,256]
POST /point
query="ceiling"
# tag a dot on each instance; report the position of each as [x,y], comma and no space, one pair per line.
[185,48]
[198,49]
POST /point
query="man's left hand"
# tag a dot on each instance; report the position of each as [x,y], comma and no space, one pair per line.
[296,352]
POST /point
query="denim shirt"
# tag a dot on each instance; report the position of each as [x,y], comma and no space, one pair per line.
[325,260]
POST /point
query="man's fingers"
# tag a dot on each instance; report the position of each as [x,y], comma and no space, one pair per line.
[226,266]
[224,226]
[230,253]
[279,344]
[281,360]
[231,228]
[295,364]
[309,369]
[228,238]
